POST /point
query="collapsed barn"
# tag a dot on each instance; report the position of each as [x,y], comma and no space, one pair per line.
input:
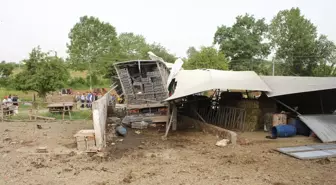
[243,101]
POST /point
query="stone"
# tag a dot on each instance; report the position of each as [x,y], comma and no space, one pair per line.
[222,142]
[41,150]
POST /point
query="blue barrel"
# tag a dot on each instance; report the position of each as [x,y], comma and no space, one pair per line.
[121,130]
[283,131]
[301,128]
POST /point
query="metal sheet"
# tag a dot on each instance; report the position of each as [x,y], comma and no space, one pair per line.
[324,146]
[295,149]
[311,154]
[324,126]
[310,151]
[284,85]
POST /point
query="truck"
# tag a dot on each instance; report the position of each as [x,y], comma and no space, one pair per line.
[144,87]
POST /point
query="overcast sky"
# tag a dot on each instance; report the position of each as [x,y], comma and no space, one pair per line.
[25,24]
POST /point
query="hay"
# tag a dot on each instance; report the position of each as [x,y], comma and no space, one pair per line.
[248,104]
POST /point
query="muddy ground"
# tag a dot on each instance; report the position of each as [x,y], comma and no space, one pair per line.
[185,158]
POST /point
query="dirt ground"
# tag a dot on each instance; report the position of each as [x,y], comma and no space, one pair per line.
[185,158]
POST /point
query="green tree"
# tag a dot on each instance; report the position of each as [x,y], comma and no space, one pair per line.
[6,69]
[42,73]
[162,52]
[294,39]
[243,42]
[326,57]
[91,41]
[208,58]
[133,46]
[191,50]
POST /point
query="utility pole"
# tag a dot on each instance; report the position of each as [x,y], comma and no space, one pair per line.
[90,71]
[273,67]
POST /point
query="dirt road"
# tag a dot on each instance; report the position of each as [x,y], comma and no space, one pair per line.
[185,158]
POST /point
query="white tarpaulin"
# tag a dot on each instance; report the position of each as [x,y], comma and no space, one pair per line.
[195,81]
[174,70]
[285,85]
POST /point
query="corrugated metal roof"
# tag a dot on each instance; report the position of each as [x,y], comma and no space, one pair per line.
[310,151]
[195,81]
[324,126]
[284,85]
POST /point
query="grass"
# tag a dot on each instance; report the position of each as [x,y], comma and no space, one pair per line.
[75,115]
[23,96]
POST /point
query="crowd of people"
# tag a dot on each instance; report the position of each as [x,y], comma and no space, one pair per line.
[11,101]
[87,98]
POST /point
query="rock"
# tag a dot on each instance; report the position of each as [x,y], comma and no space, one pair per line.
[222,142]
[7,139]
[67,170]
[39,126]
[104,169]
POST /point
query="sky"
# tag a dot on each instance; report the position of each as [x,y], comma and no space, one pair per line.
[176,25]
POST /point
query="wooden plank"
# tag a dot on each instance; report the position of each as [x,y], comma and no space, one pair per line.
[43,117]
[60,105]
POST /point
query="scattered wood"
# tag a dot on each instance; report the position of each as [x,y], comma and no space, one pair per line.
[43,117]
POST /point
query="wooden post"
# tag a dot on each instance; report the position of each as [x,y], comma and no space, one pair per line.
[63,112]
[2,113]
[69,112]
[30,113]
[36,113]
[168,126]
[174,110]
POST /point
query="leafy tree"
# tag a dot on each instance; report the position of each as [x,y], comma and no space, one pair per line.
[294,39]
[191,50]
[6,69]
[90,41]
[133,46]
[162,52]
[243,42]
[207,57]
[42,73]
[326,56]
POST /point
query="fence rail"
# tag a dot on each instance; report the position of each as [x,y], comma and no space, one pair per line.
[222,116]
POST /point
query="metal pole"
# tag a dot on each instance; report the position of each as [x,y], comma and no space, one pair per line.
[90,75]
[288,107]
[273,67]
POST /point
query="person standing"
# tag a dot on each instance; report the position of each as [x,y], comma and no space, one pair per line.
[15,100]
[88,99]
[82,99]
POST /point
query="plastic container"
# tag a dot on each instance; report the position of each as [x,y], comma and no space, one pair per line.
[283,131]
[301,128]
[121,130]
